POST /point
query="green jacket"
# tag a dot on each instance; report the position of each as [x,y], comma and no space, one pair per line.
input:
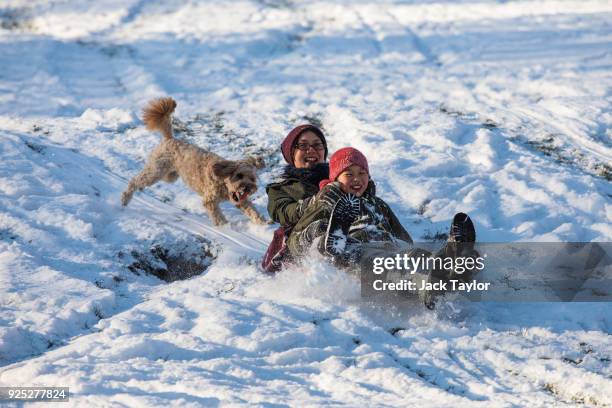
[376,223]
[286,196]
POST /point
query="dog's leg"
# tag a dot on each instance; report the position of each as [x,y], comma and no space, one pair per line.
[247,208]
[215,212]
[151,174]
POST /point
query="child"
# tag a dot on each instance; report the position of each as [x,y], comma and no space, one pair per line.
[346,214]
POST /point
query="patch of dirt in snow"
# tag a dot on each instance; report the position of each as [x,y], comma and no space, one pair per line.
[578,398]
[174,261]
[550,145]
[13,19]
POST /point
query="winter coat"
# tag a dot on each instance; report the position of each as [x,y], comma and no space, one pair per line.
[376,223]
[286,196]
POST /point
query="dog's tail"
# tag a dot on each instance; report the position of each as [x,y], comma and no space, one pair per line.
[157,116]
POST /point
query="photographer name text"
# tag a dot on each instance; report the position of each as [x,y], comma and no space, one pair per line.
[452,284]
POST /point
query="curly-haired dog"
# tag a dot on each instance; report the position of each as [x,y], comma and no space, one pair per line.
[212,177]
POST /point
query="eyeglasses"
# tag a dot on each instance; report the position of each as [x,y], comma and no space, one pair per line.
[305,146]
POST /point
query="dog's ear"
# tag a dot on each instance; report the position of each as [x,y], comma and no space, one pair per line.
[256,161]
[224,168]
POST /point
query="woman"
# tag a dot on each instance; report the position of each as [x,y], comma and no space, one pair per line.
[305,151]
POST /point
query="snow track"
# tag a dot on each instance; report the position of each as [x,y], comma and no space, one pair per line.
[499,109]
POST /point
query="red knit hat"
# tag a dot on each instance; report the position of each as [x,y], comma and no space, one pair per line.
[289,142]
[342,160]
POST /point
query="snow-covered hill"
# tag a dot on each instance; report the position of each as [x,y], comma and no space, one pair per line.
[502,109]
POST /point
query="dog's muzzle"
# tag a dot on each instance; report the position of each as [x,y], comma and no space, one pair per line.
[242,193]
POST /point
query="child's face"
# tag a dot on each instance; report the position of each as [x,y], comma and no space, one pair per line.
[354,180]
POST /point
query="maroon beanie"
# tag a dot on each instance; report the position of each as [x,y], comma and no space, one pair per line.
[342,160]
[290,140]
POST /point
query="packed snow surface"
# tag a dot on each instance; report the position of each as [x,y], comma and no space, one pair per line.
[501,109]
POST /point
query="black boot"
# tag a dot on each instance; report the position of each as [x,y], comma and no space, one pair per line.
[462,229]
[461,236]
[461,239]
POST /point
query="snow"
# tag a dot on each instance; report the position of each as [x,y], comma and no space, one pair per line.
[500,109]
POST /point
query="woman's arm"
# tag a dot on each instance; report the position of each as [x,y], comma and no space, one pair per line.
[314,220]
[311,226]
[283,207]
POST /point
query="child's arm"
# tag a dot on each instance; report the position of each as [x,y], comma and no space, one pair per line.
[315,219]
[312,224]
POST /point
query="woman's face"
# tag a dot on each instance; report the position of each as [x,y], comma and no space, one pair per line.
[354,180]
[309,150]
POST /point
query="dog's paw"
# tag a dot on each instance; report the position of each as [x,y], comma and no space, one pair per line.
[125,198]
[262,221]
[218,222]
